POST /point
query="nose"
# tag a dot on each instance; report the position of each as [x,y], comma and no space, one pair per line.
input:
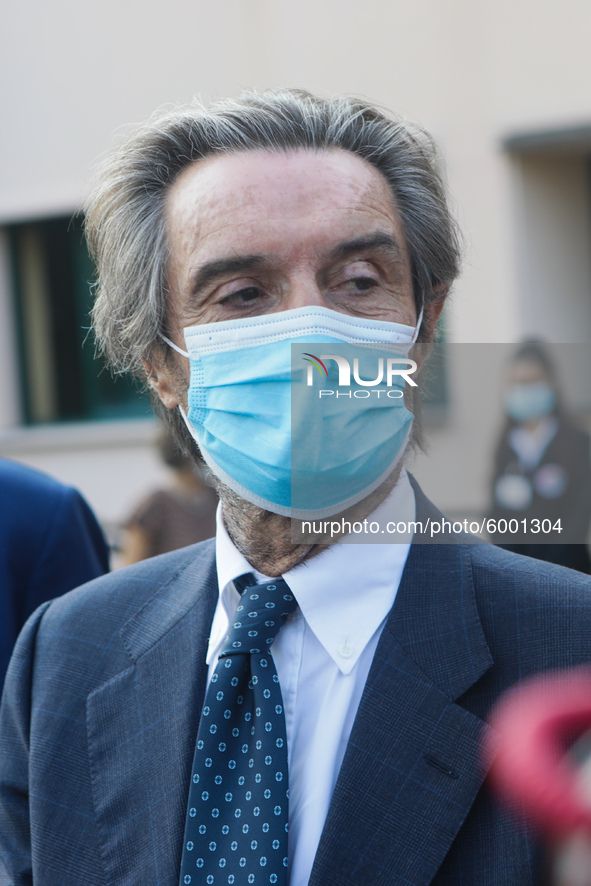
[304,291]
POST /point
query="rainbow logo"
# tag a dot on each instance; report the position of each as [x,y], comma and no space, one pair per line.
[317,362]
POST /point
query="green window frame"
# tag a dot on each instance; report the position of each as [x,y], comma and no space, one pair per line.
[61,379]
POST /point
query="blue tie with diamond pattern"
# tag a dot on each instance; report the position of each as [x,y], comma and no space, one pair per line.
[237,820]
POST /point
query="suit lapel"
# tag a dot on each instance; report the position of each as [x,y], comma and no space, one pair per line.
[142,726]
[412,766]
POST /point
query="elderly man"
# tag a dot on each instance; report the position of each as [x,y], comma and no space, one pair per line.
[257,710]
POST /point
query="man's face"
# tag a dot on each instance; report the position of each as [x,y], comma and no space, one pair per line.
[260,232]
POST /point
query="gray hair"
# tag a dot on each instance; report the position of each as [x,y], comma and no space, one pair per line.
[125,214]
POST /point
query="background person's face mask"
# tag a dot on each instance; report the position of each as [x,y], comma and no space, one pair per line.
[269,435]
[529,402]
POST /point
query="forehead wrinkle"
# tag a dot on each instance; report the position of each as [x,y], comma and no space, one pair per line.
[364,193]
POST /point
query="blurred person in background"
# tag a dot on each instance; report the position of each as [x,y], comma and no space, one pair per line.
[50,542]
[542,465]
[178,515]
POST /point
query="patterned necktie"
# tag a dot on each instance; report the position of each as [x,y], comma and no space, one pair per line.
[237,820]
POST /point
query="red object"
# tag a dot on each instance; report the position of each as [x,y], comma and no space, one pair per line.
[537,721]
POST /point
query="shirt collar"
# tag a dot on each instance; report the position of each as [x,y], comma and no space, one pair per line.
[344,593]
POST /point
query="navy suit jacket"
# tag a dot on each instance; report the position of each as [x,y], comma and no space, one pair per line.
[50,542]
[104,693]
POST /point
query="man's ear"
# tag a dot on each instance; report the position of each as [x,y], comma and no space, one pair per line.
[160,380]
[431,315]
[433,311]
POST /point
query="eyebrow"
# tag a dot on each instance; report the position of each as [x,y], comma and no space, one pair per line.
[242,263]
[223,266]
[379,241]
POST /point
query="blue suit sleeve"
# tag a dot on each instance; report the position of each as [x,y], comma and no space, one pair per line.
[15,718]
[74,552]
[50,542]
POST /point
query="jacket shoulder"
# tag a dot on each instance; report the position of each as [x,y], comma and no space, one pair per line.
[126,590]
[100,628]
[536,612]
[493,566]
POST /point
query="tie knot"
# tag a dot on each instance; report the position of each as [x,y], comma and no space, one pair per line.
[261,613]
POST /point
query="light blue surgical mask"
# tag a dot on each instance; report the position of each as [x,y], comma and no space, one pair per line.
[528,402]
[284,433]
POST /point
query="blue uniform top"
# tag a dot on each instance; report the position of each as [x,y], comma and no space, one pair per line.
[50,542]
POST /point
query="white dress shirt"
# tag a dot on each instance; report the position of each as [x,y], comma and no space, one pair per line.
[530,445]
[323,655]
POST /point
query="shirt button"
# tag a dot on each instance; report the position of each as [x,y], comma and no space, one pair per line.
[346,651]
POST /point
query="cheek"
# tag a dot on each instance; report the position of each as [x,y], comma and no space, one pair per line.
[178,374]
[180,377]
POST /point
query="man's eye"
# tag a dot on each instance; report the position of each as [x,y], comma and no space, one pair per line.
[361,284]
[249,293]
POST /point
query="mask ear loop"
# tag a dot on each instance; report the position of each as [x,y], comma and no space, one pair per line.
[180,350]
[415,333]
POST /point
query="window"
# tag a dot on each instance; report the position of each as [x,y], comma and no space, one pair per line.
[60,378]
